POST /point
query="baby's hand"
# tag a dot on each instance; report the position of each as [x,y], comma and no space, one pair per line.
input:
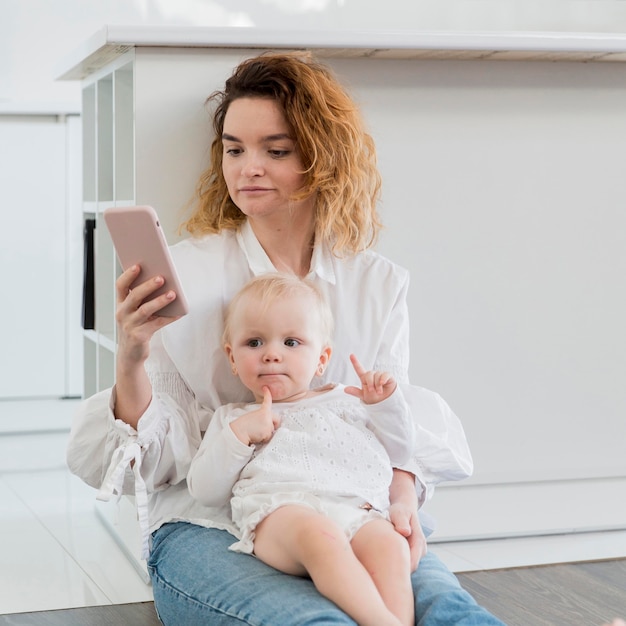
[257,426]
[376,386]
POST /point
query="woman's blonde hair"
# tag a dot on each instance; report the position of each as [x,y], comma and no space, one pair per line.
[267,288]
[338,155]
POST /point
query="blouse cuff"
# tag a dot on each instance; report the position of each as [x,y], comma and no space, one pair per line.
[128,456]
[421,489]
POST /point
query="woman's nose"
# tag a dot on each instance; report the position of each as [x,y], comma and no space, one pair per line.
[252,166]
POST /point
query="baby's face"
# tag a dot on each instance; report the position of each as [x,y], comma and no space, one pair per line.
[278,346]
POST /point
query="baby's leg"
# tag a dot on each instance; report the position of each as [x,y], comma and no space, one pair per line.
[386,556]
[298,540]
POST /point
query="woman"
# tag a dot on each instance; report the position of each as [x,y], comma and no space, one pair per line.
[292,187]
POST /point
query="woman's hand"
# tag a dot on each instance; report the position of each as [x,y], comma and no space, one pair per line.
[136,323]
[404,516]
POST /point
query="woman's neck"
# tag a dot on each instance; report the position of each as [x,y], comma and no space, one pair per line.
[288,246]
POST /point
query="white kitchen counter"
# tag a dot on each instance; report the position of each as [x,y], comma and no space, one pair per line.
[113,40]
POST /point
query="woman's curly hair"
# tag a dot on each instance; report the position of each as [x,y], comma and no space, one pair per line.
[338,155]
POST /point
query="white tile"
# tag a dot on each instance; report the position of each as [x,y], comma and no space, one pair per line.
[37,574]
[66,508]
[93,548]
[15,516]
[454,562]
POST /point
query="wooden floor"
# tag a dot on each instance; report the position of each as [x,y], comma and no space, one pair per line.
[578,594]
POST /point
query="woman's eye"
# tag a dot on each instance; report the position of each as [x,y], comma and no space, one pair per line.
[292,343]
[232,151]
[253,343]
[279,154]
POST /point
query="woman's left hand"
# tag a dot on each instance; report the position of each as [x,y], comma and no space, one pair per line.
[404,516]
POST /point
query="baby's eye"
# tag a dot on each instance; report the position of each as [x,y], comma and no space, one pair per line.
[253,343]
[292,343]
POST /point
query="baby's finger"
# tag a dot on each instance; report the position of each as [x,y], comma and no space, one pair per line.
[358,368]
[354,391]
[267,398]
[381,380]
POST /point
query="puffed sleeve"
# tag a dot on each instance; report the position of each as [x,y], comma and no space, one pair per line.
[441,450]
[117,459]
[167,436]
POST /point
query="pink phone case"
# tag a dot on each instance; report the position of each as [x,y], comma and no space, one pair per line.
[138,238]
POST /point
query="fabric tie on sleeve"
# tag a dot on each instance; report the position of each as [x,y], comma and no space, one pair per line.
[125,456]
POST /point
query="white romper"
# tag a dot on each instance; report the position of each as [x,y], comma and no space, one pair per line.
[331,452]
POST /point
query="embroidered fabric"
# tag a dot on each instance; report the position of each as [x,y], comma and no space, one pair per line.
[325,448]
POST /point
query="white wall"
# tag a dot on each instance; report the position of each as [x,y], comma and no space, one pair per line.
[504,195]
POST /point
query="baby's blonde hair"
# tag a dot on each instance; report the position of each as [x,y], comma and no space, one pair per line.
[268,288]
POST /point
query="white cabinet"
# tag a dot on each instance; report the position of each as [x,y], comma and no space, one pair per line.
[146,134]
[108,179]
[40,254]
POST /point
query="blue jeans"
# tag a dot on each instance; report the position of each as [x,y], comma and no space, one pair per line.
[197,580]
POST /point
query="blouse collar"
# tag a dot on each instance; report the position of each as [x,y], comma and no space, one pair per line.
[259,262]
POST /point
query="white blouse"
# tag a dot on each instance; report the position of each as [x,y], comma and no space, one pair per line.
[191,378]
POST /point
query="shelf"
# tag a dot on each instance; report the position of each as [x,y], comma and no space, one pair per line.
[90,359]
[89,143]
[104,138]
[113,41]
[123,133]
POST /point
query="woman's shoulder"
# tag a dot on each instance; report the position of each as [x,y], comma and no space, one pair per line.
[375,265]
[201,245]
[196,254]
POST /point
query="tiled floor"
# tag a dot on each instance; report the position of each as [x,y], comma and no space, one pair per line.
[56,553]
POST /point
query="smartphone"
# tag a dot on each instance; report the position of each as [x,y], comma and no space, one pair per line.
[139,239]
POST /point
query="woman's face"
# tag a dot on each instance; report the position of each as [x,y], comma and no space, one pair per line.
[261,165]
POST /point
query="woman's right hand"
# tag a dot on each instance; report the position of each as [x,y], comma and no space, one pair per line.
[137,322]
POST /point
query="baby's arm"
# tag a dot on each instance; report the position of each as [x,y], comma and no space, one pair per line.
[390,418]
[218,463]
[226,448]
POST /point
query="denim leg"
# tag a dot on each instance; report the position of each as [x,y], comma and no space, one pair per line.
[441,601]
[197,580]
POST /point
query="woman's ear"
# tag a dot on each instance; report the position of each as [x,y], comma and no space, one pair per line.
[229,353]
[323,360]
